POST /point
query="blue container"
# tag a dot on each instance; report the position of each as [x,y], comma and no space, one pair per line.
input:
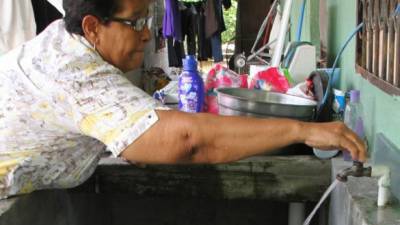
[190,87]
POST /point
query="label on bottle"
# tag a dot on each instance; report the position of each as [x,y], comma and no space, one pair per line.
[189,99]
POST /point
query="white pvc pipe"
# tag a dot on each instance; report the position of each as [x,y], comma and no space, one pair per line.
[383,192]
[276,59]
[296,213]
[383,172]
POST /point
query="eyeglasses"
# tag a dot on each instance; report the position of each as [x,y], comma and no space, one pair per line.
[136,24]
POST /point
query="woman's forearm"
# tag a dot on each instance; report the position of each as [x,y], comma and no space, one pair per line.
[204,138]
[220,139]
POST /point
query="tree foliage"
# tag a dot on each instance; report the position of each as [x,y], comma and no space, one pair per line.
[230,21]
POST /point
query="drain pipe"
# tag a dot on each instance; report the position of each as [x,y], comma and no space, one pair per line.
[296,213]
[383,172]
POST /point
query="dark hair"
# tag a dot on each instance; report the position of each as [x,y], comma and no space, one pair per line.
[76,10]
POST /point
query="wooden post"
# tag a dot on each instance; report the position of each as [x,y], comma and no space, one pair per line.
[375,38]
[396,70]
[383,39]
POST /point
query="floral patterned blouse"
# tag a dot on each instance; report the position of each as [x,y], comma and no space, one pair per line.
[61,107]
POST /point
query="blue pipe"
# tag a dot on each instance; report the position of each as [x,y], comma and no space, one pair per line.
[328,89]
[301,20]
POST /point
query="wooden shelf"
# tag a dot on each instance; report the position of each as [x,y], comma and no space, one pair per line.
[381,84]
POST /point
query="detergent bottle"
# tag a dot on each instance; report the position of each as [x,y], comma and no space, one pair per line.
[190,87]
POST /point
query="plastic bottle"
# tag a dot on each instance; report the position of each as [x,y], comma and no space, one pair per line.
[353,118]
[190,87]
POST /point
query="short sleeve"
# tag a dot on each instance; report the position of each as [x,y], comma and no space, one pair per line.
[113,110]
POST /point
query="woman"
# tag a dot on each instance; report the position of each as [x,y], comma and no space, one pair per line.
[64,102]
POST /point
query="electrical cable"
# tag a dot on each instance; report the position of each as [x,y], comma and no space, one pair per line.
[338,56]
[301,19]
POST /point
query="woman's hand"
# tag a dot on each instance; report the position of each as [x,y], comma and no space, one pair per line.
[335,135]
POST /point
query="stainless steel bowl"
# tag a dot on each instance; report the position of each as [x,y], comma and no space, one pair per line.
[257,103]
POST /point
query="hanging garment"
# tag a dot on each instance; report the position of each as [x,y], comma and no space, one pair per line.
[215,17]
[17,23]
[190,19]
[216,46]
[172,20]
[175,52]
[58,4]
[204,44]
[215,25]
[211,23]
[45,13]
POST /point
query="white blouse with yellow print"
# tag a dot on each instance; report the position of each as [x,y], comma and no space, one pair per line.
[62,106]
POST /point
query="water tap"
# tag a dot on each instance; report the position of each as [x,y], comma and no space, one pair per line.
[383,172]
[357,170]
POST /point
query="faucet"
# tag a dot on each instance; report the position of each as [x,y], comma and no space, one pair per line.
[383,172]
[357,170]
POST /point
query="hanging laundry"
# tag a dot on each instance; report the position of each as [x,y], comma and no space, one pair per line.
[17,23]
[215,25]
[46,12]
[58,4]
[175,52]
[172,21]
[204,44]
[201,25]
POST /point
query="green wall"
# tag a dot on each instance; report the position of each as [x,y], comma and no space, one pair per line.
[382,111]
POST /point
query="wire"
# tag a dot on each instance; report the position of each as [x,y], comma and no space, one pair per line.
[328,89]
[301,19]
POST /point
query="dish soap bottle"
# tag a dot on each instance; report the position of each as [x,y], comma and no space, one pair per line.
[190,87]
[353,118]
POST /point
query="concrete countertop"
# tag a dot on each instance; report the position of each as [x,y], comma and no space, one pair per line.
[355,202]
[280,178]
[6,204]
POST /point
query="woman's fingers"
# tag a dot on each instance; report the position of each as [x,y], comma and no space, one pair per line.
[336,135]
[359,144]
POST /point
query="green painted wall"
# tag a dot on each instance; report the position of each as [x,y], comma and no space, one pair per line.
[382,111]
[309,33]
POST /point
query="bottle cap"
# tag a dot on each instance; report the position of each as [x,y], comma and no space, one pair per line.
[190,63]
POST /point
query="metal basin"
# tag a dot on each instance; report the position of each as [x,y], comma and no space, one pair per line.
[257,103]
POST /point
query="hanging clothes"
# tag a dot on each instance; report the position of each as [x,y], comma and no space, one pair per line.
[215,17]
[211,23]
[215,25]
[58,4]
[190,19]
[175,52]
[172,21]
[45,13]
[201,25]
[17,23]
[204,44]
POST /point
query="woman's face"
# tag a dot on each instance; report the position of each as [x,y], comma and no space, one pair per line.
[118,43]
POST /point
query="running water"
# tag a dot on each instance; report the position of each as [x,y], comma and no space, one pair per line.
[326,194]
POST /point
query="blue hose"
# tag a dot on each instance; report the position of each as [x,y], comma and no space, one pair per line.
[328,89]
[301,19]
